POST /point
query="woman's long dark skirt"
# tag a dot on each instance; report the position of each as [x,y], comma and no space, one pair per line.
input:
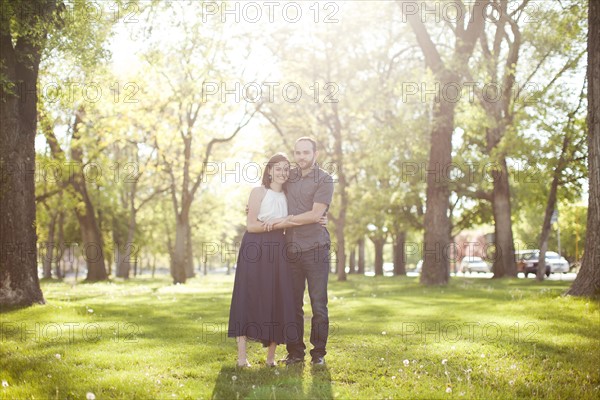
[262,302]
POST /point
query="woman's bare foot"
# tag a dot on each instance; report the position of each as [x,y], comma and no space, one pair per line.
[271,354]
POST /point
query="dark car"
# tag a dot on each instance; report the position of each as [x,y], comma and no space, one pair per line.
[527,262]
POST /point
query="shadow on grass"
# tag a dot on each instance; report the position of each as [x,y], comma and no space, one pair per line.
[278,383]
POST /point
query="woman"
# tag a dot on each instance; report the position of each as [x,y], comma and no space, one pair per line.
[261,305]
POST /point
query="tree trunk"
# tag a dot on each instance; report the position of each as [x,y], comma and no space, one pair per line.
[587,282]
[399,256]
[153,265]
[61,245]
[504,262]
[352,261]
[437,223]
[130,251]
[189,254]
[550,206]
[50,245]
[342,189]
[361,256]
[93,245]
[378,243]
[178,256]
[341,246]
[20,57]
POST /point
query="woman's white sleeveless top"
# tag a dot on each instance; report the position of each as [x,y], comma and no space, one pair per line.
[274,205]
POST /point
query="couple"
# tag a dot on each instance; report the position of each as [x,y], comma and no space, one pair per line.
[285,246]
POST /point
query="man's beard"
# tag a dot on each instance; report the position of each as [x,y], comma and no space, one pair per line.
[309,164]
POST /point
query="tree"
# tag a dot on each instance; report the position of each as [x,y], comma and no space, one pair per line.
[196,120]
[571,143]
[29,32]
[587,282]
[447,73]
[24,27]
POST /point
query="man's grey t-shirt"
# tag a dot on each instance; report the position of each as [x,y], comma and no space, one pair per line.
[302,193]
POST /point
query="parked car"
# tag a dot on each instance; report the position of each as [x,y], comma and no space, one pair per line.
[473,264]
[528,260]
[557,263]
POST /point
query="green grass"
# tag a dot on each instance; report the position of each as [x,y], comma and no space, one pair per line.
[147,339]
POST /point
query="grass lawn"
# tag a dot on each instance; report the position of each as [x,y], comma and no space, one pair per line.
[390,338]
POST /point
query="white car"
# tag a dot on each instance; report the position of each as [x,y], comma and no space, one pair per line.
[473,264]
[556,262]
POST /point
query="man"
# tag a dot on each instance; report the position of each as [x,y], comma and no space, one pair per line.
[309,194]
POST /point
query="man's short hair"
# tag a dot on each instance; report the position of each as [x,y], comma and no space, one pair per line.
[311,140]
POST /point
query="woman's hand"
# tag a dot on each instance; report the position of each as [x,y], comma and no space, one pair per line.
[268,225]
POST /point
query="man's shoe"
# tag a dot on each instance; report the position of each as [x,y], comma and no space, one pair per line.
[318,361]
[290,360]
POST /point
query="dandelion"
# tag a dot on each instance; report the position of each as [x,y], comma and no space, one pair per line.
[444,361]
[448,389]
[4,383]
[406,363]
[57,356]
[234,378]
[90,396]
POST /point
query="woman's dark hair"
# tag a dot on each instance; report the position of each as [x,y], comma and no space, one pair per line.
[266,178]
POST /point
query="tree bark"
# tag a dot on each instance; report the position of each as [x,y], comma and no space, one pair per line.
[504,261]
[361,256]
[378,243]
[50,245]
[550,206]
[20,55]
[93,243]
[61,245]
[189,253]
[437,223]
[178,270]
[342,189]
[501,114]
[399,256]
[352,261]
[587,282]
